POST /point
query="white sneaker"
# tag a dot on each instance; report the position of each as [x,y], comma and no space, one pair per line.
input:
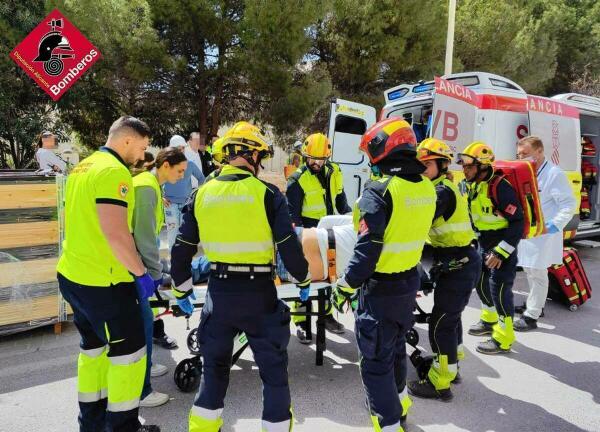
[154,399]
[158,370]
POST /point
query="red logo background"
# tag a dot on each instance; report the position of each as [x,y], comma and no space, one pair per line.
[85,55]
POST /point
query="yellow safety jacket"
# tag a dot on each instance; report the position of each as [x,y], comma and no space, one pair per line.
[314,206]
[413,208]
[232,219]
[483,211]
[148,179]
[457,230]
[87,258]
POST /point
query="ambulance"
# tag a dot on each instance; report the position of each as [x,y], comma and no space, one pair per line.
[477,106]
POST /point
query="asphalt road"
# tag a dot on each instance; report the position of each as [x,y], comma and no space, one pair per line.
[551,381]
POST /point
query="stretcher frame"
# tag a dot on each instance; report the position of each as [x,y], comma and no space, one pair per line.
[319,292]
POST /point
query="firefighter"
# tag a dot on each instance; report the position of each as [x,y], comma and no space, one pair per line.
[314,190]
[498,222]
[102,277]
[455,271]
[393,218]
[239,220]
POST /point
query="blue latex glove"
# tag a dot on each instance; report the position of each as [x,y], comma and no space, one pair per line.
[158,283]
[145,286]
[304,288]
[551,228]
[185,304]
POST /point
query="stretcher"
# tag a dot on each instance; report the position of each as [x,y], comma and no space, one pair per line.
[188,371]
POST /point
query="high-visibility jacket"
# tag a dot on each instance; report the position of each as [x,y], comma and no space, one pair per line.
[456,231]
[314,205]
[413,208]
[148,179]
[87,258]
[232,220]
[484,214]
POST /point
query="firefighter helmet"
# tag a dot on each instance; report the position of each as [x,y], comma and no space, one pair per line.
[387,137]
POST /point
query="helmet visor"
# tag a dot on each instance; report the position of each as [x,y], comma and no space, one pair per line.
[465,160]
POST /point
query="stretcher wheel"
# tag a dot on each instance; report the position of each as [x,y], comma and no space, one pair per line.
[193,343]
[188,373]
[412,337]
[573,307]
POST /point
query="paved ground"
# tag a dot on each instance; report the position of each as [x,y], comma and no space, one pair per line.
[551,381]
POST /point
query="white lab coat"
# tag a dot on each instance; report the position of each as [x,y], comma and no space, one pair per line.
[558,206]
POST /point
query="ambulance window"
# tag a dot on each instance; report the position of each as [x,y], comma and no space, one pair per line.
[503,84]
[465,81]
[350,125]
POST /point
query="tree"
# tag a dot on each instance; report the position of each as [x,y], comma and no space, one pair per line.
[25,110]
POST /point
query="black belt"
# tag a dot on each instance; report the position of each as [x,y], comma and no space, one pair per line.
[455,250]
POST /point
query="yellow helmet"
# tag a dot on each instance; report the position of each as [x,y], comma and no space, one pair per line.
[432,148]
[316,146]
[217,150]
[477,151]
[244,136]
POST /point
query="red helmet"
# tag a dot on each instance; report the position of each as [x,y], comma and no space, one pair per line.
[388,136]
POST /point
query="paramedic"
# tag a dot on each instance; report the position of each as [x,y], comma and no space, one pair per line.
[537,254]
[102,277]
[239,219]
[393,218]
[315,190]
[499,224]
[455,272]
[148,219]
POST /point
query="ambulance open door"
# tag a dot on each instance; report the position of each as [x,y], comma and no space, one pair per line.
[558,126]
[347,123]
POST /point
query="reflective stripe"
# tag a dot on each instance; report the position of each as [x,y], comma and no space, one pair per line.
[284,426]
[403,247]
[206,413]
[92,396]
[128,359]
[392,428]
[403,394]
[486,218]
[507,247]
[315,207]
[452,367]
[491,309]
[246,269]
[94,352]
[184,288]
[244,247]
[451,227]
[123,406]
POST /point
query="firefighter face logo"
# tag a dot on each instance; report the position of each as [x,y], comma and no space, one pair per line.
[53,48]
[55,54]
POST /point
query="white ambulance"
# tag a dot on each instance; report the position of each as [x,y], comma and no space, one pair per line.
[471,106]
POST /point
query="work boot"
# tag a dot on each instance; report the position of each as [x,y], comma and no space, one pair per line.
[333,326]
[149,428]
[303,336]
[457,379]
[481,328]
[490,346]
[524,324]
[426,390]
[521,310]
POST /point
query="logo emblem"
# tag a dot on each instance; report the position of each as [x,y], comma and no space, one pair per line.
[123,189]
[55,54]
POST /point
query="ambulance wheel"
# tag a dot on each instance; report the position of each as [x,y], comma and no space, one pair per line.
[412,337]
[193,343]
[188,373]
[573,307]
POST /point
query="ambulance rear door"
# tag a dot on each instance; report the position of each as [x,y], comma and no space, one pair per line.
[558,126]
[347,123]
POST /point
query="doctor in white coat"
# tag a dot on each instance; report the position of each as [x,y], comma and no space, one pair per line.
[537,254]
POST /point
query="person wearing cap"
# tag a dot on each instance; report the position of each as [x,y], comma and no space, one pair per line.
[176,195]
[393,217]
[455,271]
[315,190]
[47,160]
[498,222]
